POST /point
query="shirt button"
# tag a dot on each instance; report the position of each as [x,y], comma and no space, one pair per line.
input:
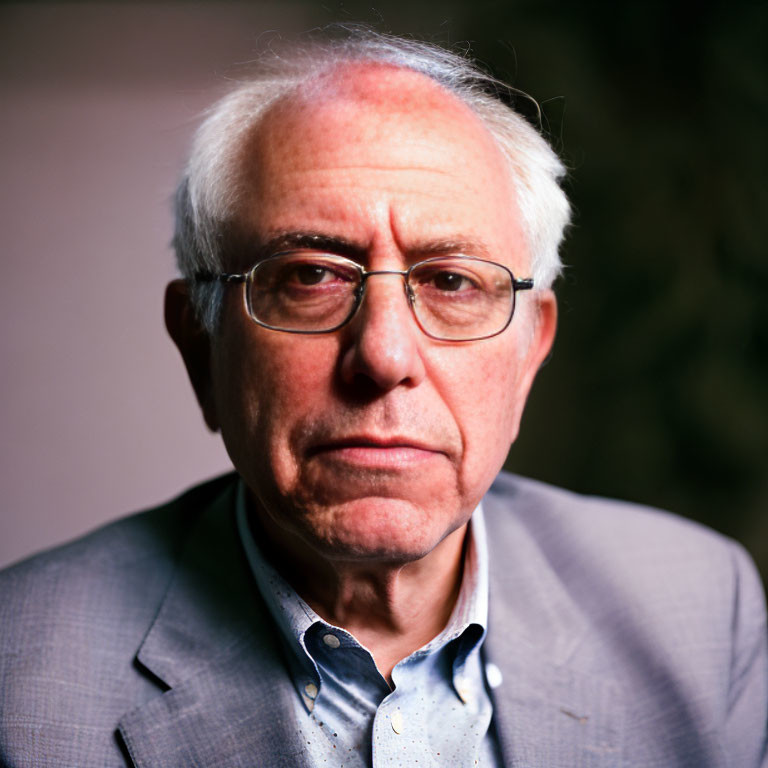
[331,640]
[396,718]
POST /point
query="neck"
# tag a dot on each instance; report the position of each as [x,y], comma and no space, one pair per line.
[392,609]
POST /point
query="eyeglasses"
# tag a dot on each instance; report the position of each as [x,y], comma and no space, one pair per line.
[453,298]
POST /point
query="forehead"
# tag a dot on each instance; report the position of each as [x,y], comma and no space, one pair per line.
[371,147]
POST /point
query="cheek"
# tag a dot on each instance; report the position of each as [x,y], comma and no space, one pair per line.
[486,402]
[267,389]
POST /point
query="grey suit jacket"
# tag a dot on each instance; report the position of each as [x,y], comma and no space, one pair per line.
[625,637]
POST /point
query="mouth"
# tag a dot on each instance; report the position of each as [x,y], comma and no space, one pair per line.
[368,452]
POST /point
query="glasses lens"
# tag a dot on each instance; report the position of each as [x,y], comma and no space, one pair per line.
[462,298]
[307,292]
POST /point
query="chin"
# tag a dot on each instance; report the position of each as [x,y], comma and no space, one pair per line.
[377,530]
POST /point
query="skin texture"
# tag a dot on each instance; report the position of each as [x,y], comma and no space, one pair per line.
[367,449]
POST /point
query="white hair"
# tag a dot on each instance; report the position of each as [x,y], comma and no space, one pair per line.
[207,196]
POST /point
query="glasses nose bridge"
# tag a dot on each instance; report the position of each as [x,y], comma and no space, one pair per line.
[403,273]
[365,274]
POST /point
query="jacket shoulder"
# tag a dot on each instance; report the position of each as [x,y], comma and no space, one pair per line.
[134,550]
[650,551]
[73,617]
[664,610]
[668,610]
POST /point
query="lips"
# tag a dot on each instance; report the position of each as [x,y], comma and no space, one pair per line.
[366,441]
[375,452]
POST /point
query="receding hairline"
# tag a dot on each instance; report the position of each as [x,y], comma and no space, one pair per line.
[384,86]
[343,79]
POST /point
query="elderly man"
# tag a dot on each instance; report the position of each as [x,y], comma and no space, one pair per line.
[368,237]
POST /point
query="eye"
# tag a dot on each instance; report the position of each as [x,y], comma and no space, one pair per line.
[312,274]
[451,278]
[451,281]
[304,272]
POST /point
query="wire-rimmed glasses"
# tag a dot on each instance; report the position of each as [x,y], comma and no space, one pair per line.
[453,298]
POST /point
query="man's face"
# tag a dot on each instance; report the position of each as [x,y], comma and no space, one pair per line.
[375,442]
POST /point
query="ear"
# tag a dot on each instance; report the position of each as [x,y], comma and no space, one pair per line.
[194,343]
[544,329]
[543,320]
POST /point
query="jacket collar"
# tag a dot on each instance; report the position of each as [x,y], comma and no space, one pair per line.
[227,699]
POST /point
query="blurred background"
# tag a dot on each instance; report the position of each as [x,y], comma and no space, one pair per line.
[656,391]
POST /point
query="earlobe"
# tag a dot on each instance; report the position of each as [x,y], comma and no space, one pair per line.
[194,344]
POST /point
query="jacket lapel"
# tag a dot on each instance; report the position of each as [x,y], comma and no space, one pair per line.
[547,712]
[212,646]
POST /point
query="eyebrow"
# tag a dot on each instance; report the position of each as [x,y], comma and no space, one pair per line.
[300,239]
[467,246]
[288,241]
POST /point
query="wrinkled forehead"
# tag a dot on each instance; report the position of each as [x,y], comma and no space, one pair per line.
[375,134]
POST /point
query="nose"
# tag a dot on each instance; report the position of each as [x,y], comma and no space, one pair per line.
[384,339]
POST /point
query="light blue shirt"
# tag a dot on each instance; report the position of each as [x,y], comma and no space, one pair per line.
[439,711]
